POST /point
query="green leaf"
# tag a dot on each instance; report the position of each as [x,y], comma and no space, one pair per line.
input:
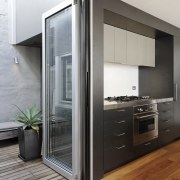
[21,111]
[36,116]
[36,128]
[24,127]
[30,117]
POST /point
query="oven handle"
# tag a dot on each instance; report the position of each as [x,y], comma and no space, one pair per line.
[140,117]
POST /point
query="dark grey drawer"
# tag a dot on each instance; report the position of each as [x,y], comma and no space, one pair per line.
[118,140]
[165,106]
[165,123]
[114,157]
[165,115]
[117,126]
[145,147]
[166,136]
[117,114]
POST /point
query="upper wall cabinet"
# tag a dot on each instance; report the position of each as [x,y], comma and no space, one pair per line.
[121,46]
[140,50]
[133,48]
[114,44]
[108,43]
[150,47]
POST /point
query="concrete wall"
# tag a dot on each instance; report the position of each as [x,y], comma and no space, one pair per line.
[28,15]
[20,84]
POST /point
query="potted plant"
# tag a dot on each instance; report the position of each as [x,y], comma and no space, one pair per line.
[30,133]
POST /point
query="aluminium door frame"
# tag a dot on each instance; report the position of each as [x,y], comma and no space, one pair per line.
[76,110]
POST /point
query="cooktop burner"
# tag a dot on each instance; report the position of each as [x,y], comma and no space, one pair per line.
[126,98]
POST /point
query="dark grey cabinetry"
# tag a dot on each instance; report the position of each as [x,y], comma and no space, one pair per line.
[145,148]
[177,86]
[166,123]
[118,137]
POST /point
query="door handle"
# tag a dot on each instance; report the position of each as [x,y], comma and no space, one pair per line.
[52,118]
[87,89]
[175,92]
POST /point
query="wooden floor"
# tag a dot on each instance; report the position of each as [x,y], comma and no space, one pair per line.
[162,164]
[11,167]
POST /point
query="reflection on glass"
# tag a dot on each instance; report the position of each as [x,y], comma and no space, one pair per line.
[59,86]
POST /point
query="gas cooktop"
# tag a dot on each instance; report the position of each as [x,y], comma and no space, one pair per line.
[126,98]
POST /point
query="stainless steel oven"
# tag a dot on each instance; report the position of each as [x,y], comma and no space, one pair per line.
[145,123]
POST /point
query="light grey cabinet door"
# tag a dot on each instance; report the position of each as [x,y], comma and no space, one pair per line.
[132,48]
[125,47]
[120,45]
[108,43]
[140,50]
[150,52]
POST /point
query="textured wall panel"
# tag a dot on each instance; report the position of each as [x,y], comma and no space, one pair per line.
[19,83]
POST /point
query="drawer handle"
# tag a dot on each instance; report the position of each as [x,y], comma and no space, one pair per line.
[147,144]
[121,110]
[119,122]
[166,111]
[166,120]
[121,134]
[166,103]
[167,130]
[121,147]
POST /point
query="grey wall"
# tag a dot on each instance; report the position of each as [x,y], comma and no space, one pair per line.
[157,82]
[19,83]
[29,17]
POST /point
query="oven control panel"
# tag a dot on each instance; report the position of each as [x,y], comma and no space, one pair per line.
[145,108]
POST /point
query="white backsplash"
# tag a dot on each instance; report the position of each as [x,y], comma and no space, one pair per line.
[119,79]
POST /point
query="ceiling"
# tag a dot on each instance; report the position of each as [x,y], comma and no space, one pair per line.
[167,10]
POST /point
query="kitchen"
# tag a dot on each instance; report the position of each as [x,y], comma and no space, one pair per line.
[110,82]
[140,99]
[125,60]
[134,124]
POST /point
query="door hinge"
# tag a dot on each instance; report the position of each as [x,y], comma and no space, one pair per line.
[75,2]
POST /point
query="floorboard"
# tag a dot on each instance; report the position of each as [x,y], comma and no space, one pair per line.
[162,164]
[12,167]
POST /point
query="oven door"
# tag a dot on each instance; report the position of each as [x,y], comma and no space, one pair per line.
[145,127]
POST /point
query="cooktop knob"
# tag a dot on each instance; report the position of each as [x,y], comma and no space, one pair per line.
[140,109]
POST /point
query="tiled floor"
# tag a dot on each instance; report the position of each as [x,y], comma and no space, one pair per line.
[11,167]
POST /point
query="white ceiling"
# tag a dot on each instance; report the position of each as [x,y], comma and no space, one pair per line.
[167,10]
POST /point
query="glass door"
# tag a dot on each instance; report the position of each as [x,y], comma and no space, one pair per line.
[61,90]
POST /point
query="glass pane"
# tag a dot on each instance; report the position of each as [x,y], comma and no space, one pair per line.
[59,86]
[146,125]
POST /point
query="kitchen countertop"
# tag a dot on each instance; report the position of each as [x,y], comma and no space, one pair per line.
[116,105]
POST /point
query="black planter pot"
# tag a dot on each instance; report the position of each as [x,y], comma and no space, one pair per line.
[30,142]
